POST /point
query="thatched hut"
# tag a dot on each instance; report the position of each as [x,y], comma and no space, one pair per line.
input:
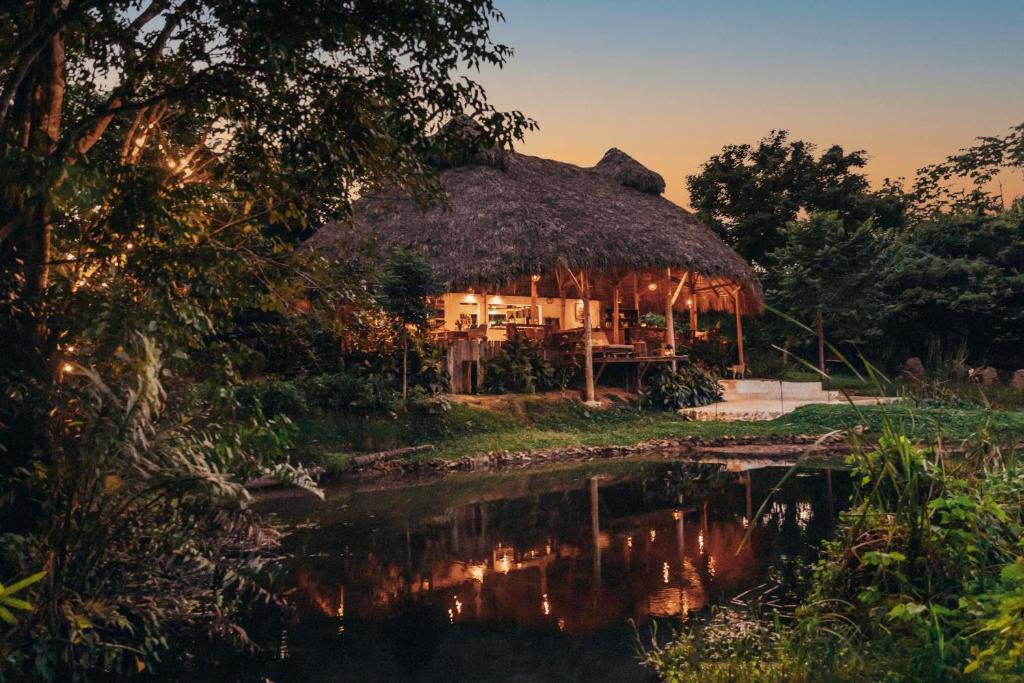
[536,242]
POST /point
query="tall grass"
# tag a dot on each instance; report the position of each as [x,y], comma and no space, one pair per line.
[923,580]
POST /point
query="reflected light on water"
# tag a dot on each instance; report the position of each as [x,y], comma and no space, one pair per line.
[437,564]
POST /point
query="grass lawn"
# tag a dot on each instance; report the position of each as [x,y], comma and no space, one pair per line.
[532,424]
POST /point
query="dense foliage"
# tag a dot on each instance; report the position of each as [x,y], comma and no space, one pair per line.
[158,163]
[689,386]
[958,280]
[405,285]
[924,580]
[519,367]
[938,265]
[749,193]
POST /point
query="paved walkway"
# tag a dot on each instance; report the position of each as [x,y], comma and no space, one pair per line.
[757,399]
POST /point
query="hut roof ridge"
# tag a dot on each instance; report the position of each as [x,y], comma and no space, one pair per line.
[531,214]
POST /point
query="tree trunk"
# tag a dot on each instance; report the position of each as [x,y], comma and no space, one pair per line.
[405,365]
[820,324]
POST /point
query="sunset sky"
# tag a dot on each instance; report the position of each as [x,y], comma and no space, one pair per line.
[671,81]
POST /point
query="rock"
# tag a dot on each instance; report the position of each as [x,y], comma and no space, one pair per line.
[914,368]
[986,376]
[1017,381]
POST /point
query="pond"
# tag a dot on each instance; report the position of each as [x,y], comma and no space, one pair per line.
[544,576]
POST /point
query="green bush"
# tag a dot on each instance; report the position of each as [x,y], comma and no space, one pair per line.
[688,387]
[272,397]
[519,368]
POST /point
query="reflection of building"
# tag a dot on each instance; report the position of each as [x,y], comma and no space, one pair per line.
[601,567]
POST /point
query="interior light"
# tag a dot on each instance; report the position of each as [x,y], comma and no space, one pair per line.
[653,286]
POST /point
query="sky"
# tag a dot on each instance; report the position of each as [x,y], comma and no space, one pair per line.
[672,81]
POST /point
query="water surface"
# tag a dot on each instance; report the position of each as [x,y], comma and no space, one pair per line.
[537,576]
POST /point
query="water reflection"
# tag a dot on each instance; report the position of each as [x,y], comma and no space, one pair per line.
[576,555]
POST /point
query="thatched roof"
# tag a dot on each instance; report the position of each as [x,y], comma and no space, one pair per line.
[503,222]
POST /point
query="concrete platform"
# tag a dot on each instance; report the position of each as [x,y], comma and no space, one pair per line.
[761,399]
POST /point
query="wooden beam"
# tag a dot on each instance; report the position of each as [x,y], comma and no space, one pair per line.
[679,287]
[693,302]
[739,329]
[561,295]
[670,332]
[615,316]
[588,340]
[533,301]
[636,295]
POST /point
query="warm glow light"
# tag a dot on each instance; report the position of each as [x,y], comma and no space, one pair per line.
[689,302]
[535,278]
[654,534]
[545,604]
[476,571]
[458,606]
[664,573]
[677,515]
[711,565]
[629,542]
[67,367]
[700,542]
[129,246]
[653,286]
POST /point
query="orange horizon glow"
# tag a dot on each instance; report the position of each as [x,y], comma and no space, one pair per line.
[672,83]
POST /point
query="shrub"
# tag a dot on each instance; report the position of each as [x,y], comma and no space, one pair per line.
[688,387]
[519,368]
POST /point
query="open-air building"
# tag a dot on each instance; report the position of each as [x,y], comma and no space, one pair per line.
[572,257]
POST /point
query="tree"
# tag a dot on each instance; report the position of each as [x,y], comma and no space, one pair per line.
[406,284]
[159,160]
[979,166]
[171,151]
[957,280]
[749,193]
[827,273]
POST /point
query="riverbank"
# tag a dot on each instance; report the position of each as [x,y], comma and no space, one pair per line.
[527,429]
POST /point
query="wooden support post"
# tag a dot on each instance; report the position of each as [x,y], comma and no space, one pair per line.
[533,300]
[819,325]
[693,303]
[588,339]
[484,317]
[615,316]
[561,295]
[636,296]
[739,330]
[670,332]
